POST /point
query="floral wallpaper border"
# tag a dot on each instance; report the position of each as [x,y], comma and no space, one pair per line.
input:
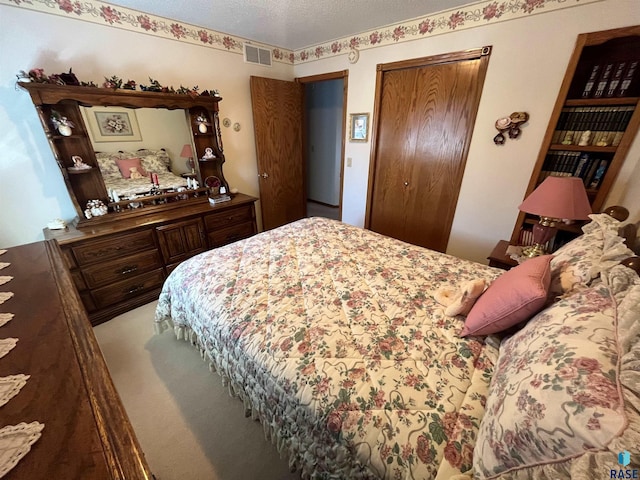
[469,16]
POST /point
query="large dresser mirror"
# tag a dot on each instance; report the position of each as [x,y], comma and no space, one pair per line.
[127,153]
[144,129]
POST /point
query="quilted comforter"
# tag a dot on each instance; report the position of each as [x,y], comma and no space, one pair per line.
[331,336]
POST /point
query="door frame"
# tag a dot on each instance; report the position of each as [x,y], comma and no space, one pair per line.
[344,75]
[381,68]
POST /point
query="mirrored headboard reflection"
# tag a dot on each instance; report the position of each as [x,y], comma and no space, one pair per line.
[80,121]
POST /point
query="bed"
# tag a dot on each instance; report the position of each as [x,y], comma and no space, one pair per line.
[346,345]
[116,169]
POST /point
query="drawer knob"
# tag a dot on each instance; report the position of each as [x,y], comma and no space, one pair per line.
[135,289]
[129,269]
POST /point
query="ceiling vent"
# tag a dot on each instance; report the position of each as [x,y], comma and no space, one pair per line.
[259,56]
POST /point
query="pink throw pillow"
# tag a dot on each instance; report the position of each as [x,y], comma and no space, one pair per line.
[126,164]
[512,298]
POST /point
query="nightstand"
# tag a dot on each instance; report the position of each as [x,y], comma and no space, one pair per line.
[499,257]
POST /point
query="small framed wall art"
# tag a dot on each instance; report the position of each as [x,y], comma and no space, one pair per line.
[359,127]
[113,124]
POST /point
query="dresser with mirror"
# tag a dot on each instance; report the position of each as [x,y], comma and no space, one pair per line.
[123,243]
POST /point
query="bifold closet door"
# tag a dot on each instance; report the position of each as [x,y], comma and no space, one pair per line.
[426,111]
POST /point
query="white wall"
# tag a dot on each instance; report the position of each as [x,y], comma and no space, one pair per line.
[527,65]
[32,190]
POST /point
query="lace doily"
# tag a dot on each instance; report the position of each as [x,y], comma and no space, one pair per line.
[15,443]
[4,264]
[4,296]
[6,345]
[5,317]
[10,386]
[5,279]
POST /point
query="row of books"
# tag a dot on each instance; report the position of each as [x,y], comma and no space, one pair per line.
[590,167]
[525,238]
[605,125]
[611,79]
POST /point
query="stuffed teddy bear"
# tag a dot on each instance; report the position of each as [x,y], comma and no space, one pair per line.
[135,174]
[458,301]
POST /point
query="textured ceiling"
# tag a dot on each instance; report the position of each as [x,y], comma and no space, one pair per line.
[290,24]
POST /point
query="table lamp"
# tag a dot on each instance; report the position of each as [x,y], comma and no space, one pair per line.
[554,200]
[187,152]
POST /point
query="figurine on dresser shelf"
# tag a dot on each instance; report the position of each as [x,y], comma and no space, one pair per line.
[208,153]
[95,208]
[78,163]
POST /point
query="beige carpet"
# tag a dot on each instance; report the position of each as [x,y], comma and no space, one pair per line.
[187,423]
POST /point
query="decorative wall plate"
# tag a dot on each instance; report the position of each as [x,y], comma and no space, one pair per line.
[236,127]
[226,122]
[354,55]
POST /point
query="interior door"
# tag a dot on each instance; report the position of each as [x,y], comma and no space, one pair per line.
[426,112]
[278,124]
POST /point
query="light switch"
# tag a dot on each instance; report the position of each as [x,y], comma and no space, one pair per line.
[348,161]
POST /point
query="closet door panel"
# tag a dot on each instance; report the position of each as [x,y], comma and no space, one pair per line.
[426,111]
[442,122]
[394,150]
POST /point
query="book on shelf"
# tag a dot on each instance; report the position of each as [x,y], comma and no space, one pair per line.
[596,179]
[616,78]
[628,78]
[582,165]
[588,87]
[603,81]
[526,237]
[590,170]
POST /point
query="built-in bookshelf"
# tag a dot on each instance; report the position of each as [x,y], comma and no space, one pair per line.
[594,121]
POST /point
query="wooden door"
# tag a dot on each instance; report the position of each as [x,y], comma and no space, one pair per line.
[278,124]
[426,110]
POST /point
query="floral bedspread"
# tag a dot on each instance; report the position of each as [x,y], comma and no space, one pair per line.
[126,187]
[331,336]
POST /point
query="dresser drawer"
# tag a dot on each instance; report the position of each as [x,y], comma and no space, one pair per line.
[121,268]
[232,216]
[113,247]
[127,289]
[231,234]
[78,280]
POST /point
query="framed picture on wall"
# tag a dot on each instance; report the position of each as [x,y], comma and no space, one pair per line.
[114,125]
[359,130]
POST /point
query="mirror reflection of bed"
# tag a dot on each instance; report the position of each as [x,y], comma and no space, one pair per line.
[151,143]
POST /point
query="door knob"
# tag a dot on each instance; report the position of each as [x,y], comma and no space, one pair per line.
[263,175]
[406,184]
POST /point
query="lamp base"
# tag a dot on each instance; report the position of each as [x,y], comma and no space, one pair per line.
[534,250]
[542,233]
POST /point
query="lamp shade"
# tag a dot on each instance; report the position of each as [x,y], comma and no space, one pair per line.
[559,197]
[187,151]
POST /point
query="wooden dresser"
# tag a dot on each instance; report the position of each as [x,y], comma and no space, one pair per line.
[86,434]
[120,265]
